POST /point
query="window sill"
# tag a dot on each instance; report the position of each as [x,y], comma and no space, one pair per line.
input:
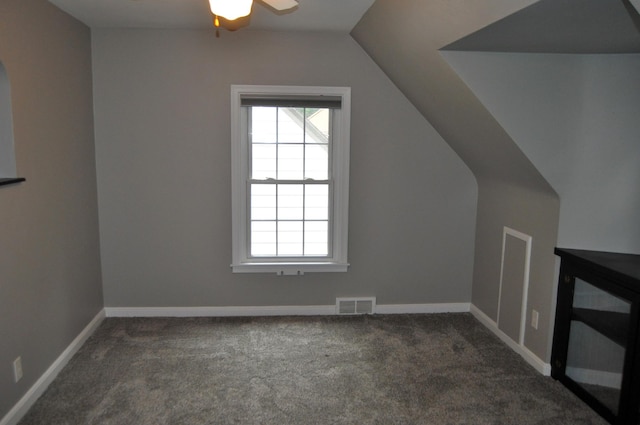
[11,180]
[288,269]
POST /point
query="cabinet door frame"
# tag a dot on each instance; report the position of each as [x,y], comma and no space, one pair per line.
[630,388]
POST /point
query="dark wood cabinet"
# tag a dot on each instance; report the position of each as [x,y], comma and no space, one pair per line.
[596,346]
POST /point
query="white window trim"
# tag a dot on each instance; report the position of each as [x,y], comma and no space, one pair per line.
[241,263]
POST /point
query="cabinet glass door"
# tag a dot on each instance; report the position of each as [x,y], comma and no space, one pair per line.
[597,339]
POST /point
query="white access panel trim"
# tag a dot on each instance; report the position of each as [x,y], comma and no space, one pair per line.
[525,290]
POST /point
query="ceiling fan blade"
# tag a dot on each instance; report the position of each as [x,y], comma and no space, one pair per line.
[281,5]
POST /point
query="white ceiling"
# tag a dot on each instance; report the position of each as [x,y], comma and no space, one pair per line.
[311,15]
[558,26]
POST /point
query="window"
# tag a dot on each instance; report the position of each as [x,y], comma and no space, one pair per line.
[290,177]
[7,154]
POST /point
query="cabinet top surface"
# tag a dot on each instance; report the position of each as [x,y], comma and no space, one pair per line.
[623,266]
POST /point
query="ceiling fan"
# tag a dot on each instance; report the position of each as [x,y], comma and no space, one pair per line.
[234,14]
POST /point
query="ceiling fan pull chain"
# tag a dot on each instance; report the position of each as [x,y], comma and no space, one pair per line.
[216,23]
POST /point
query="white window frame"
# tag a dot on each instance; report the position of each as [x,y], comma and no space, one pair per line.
[339,216]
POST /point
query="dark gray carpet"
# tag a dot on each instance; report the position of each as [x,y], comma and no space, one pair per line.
[405,369]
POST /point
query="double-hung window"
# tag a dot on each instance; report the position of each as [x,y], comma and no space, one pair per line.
[290,177]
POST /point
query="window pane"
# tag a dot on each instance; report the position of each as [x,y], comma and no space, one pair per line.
[316,238]
[263,161]
[263,202]
[316,125]
[316,162]
[263,124]
[290,236]
[290,162]
[316,202]
[290,124]
[290,202]
[263,238]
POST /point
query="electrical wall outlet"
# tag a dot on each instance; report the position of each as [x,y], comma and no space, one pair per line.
[17,369]
[534,318]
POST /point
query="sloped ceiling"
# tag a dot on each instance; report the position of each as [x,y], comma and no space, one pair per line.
[561,26]
[404,37]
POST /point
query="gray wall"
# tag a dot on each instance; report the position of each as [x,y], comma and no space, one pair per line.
[534,213]
[50,286]
[576,118]
[404,38]
[163,147]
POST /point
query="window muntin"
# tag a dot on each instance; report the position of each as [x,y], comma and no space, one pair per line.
[290,158]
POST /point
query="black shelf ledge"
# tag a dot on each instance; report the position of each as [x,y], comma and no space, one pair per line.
[11,180]
[609,323]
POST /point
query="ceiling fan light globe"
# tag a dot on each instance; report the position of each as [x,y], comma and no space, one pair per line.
[230,9]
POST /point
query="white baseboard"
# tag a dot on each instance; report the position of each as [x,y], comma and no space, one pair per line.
[247,311]
[423,308]
[24,404]
[533,360]
[307,310]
